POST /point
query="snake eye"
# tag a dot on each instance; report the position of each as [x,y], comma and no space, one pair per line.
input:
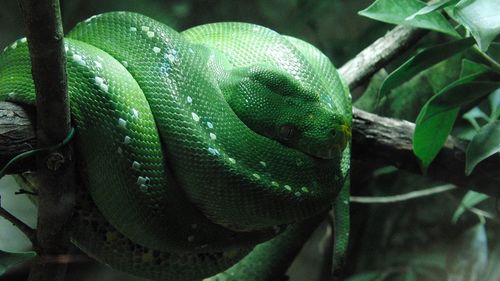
[286,132]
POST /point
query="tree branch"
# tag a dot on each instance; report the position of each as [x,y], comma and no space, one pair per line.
[380,141]
[56,195]
[356,71]
[28,231]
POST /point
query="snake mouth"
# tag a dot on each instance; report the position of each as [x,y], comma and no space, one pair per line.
[334,150]
[325,153]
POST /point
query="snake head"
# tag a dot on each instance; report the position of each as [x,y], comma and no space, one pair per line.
[275,104]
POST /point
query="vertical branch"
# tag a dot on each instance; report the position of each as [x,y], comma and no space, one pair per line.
[56,191]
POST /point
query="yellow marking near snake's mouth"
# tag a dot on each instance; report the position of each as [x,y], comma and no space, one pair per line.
[346,131]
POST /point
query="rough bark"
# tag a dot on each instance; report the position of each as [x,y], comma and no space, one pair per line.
[356,71]
[56,191]
[380,141]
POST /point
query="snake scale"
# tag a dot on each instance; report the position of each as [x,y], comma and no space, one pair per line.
[195,147]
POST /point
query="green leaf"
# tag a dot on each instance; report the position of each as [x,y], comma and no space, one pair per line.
[468,260]
[470,200]
[437,116]
[482,146]
[396,12]
[430,136]
[474,114]
[494,100]
[423,60]
[471,67]
[8,260]
[432,8]
[481,18]
[459,93]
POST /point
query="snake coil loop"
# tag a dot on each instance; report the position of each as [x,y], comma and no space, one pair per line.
[194,147]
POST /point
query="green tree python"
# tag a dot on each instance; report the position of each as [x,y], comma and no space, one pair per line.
[195,147]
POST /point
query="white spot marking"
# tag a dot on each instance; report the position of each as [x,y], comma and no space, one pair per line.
[191,50]
[264,164]
[257,176]
[136,166]
[156,50]
[213,136]
[142,180]
[125,63]
[145,28]
[189,100]
[99,80]
[273,183]
[23,40]
[195,116]
[171,57]
[78,59]
[104,87]
[304,189]
[122,123]
[119,150]
[150,34]
[101,83]
[345,202]
[287,187]
[98,64]
[210,125]
[127,140]
[213,151]
[11,95]
[232,160]
[133,29]
[297,194]
[135,113]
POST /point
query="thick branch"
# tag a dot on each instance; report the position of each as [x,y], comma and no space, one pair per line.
[56,192]
[356,71]
[381,140]
[376,141]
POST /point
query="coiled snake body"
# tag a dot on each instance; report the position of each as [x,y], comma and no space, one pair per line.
[194,146]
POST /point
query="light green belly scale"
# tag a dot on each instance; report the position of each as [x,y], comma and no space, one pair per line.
[179,188]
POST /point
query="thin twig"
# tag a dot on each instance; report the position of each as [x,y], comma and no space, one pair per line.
[402,197]
[481,213]
[26,229]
